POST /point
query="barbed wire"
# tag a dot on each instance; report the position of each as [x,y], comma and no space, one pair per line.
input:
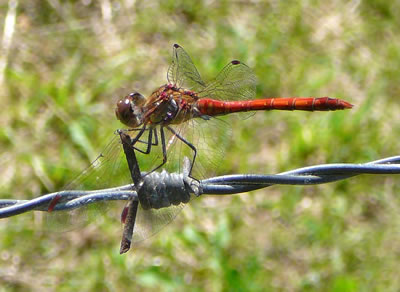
[161,183]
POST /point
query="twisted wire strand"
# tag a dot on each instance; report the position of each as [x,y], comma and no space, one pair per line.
[221,185]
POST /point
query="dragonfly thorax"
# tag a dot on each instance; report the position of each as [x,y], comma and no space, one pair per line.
[169,105]
[130,110]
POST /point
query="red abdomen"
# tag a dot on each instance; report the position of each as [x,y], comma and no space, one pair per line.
[214,107]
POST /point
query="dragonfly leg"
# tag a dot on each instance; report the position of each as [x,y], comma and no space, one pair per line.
[155,138]
[163,147]
[188,144]
[138,140]
[137,137]
[149,141]
[155,143]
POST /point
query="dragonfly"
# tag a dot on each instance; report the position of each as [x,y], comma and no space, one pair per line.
[162,119]
[186,96]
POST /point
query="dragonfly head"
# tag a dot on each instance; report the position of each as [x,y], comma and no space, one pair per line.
[129,110]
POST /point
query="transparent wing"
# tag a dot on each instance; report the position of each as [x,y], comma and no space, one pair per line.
[236,81]
[209,137]
[150,222]
[182,72]
[108,170]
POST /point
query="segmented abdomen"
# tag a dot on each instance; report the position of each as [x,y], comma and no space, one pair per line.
[214,107]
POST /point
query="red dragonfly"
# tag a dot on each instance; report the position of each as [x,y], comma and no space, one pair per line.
[184,99]
[187,96]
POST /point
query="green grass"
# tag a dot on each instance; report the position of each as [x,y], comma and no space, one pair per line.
[68,63]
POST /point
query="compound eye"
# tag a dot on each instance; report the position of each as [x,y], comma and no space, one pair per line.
[137,98]
[123,110]
[126,105]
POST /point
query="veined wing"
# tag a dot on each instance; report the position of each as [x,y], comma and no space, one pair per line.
[108,170]
[182,72]
[236,81]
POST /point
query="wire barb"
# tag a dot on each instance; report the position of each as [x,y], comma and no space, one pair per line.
[163,184]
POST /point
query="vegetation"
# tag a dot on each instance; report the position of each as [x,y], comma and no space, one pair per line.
[64,64]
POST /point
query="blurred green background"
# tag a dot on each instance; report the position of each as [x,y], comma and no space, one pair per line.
[64,64]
